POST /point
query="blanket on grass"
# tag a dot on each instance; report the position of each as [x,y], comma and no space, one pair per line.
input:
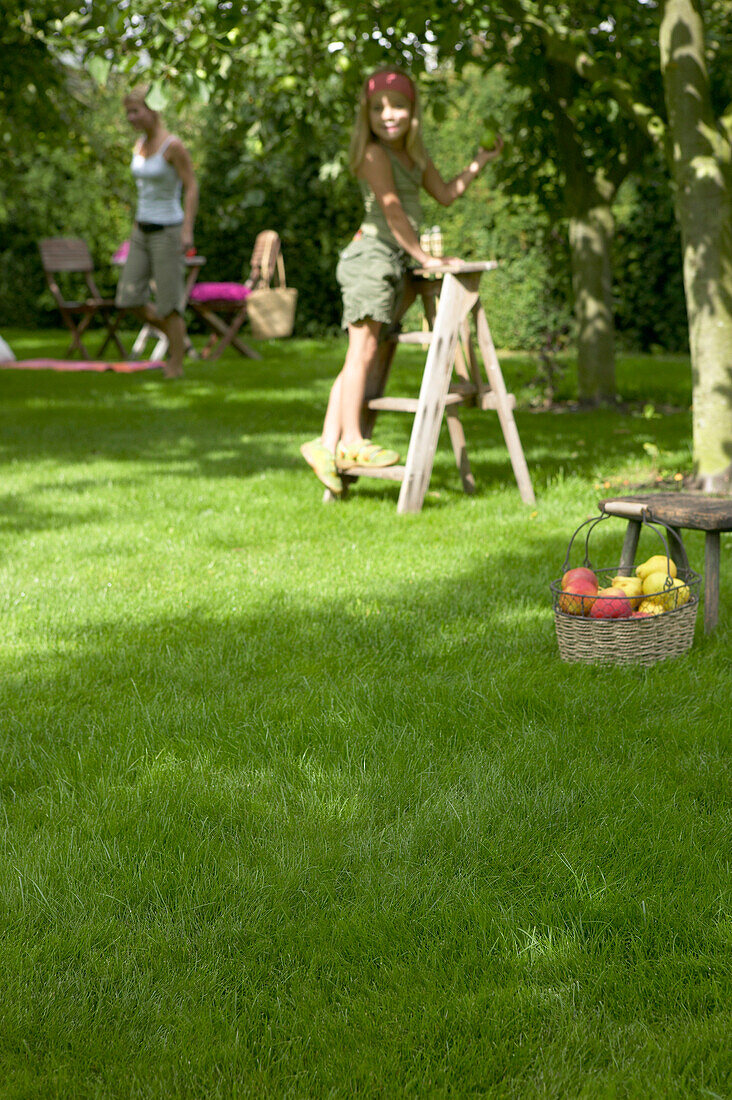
[80,364]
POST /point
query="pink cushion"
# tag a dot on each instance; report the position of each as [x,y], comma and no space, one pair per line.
[222,292]
[122,253]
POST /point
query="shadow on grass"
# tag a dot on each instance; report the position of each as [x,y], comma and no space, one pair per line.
[458,648]
[240,418]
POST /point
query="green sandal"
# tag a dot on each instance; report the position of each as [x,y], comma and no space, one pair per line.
[322,463]
[365,453]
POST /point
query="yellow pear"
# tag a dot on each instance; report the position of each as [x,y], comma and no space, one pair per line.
[658,563]
[680,594]
[656,582]
[649,607]
[659,588]
[632,587]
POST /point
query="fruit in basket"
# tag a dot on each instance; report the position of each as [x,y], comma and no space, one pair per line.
[659,587]
[611,603]
[680,594]
[578,598]
[666,592]
[632,587]
[659,563]
[579,573]
[648,607]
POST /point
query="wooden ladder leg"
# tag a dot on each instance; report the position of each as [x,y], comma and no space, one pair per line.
[458,295]
[460,450]
[503,406]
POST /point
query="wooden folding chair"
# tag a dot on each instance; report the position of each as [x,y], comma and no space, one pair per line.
[210,300]
[61,255]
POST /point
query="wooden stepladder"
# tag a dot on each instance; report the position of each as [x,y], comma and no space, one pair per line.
[452,377]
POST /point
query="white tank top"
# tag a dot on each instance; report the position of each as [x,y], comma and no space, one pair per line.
[159,188]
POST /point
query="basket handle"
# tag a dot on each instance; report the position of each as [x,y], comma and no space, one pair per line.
[592,522]
[639,512]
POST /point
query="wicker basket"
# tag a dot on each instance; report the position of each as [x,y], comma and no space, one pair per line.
[271,312]
[642,641]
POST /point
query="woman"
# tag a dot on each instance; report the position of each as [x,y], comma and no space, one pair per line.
[167,200]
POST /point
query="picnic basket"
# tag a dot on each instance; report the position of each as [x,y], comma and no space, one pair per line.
[641,641]
[271,309]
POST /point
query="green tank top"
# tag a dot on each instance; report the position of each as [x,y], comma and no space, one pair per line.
[407,183]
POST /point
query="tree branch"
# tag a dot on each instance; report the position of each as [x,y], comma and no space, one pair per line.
[571,51]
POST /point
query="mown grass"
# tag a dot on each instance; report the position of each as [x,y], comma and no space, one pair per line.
[299,801]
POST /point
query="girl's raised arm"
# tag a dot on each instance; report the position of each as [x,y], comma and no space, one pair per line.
[446,191]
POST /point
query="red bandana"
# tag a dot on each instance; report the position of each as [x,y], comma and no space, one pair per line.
[390,82]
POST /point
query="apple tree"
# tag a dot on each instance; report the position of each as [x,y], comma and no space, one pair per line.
[693,128]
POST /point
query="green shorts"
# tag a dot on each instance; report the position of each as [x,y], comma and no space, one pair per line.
[370,274]
[156,257]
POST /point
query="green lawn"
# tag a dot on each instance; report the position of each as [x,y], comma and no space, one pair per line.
[299,800]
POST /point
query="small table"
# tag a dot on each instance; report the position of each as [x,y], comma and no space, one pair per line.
[681,511]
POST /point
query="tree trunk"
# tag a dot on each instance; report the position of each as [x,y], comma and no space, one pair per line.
[701,164]
[588,200]
[590,241]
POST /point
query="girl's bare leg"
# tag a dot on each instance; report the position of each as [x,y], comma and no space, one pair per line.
[343,415]
[332,424]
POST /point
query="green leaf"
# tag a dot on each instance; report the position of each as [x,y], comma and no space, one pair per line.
[158,98]
[98,69]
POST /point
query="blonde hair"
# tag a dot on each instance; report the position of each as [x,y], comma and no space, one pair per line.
[139,94]
[363,134]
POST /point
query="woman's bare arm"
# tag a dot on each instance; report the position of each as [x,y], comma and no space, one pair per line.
[179,157]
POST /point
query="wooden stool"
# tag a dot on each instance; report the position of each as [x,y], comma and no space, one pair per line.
[450,349]
[681,511]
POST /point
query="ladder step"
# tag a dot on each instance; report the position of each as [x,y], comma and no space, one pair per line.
[407,404]
[423,338]
[386,473]
[490,401]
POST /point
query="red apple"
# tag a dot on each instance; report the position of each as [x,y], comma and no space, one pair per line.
[581,573]
[578,599]
[611,603]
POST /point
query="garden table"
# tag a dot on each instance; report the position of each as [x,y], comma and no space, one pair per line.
[680,511]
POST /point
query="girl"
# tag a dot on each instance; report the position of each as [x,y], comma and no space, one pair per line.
[389,160]
[163,229]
